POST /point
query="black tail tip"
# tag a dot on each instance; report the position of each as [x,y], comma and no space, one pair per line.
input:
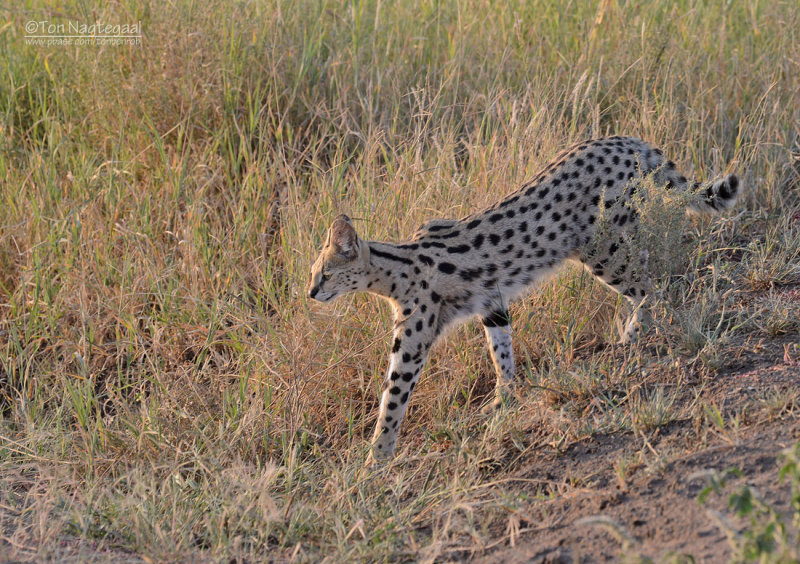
[728,188]
[733,184]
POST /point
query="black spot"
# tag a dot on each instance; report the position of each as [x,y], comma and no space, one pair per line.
[408,376]
[419,325]
[613,248]
[556,216]
[425,259]
[551,236]
[395,375]
[391,406]
[509,233]
[395,390]
[494,218]
[447,267]
[523,227]
[471,274]
[477,241]
[396,346]
[540,230]
[511,213]
[497,319]
[543,192]
[473,224]
[494,238]
[435,297]
[579,162]
[459,249]
[406,357]
[389,256]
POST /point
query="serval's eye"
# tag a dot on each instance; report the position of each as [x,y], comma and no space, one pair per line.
[326,276]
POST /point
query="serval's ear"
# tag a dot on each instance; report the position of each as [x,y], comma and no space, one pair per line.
[343,237]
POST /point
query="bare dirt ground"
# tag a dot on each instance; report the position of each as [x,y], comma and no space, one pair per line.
[657,503]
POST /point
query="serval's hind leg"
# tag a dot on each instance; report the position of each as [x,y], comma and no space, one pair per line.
[626,272]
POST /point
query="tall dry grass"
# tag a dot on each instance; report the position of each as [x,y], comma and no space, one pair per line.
[168,391]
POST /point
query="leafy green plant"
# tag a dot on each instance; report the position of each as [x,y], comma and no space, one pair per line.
[768,535]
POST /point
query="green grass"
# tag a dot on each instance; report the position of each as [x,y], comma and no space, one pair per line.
[166,387]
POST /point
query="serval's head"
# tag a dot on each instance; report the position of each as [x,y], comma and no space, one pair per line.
[342,265]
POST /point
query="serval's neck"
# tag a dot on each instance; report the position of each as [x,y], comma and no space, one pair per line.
[393,273]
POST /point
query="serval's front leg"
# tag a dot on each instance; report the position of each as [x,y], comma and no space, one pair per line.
[413,338]
[497,326]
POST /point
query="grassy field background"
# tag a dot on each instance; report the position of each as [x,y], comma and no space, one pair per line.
[167,390]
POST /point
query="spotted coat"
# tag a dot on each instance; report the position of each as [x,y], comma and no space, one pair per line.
[452,270]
